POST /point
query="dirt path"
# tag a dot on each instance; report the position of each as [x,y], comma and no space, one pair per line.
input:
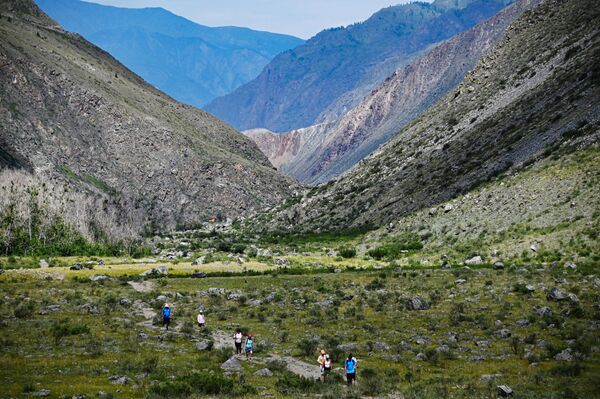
[224,340]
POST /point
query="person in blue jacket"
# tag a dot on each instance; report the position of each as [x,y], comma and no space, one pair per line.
[351,369]
[166,315]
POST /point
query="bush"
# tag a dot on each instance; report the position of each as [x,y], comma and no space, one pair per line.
[205,383]
[63,328]
[291,384]
[393,250]
[24,310]
[347,252]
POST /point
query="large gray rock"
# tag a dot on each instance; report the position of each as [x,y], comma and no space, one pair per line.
[417,303]
[556,294]
[216,291]
[204,345]
[476,260]
[119,380]
[232,365]
[542,311]
[264,373]
[44,263]
[564,356]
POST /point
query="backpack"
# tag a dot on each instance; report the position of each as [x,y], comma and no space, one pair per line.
[327,364]
[350,366]
[167,312]
[249,343]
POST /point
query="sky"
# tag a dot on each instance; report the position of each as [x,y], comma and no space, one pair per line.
[302,18]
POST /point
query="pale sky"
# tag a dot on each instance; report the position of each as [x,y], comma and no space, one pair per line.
[302,18]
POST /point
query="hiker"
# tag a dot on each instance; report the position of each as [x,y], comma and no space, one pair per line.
[324,364]
[237,339]
[351,369]
[201,319]
[249,346]
[166,315]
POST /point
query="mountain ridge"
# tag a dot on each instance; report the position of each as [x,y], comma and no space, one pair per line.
[298,85]
[191,62]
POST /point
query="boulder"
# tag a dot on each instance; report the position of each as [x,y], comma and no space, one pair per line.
[232,365]
[77,266]
[347,347]
[504,391]
[101,262]
[556,294]
[421,356]
[542,311]
[570,265]
[448,208]
[98,277]
[264,373]
[119,380]
[44,263]
[41,393]
[89,308]
[162,269]
[234,296]
[125,302]
[281,261]
[199,275]
[564,356]
[460,281]
[498,266]
[216,291]
[503,333]
[417,303]
[1,271]
[476,260]
[204,345]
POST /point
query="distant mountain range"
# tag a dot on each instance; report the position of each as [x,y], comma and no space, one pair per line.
[190,62]
[331,73]
[535,96]
[313,157]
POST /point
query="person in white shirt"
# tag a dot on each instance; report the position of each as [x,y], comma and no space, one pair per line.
[201,319]
[237,339]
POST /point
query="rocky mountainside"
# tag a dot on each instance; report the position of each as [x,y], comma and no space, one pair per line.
[536,95]
[74,115]
[322,79]
[389,107]
[190,62]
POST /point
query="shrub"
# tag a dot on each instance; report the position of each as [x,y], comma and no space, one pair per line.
[63,328]
[347,252]
[24,310]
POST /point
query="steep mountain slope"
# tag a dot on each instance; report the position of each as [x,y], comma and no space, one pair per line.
[536,93]
[190,62]
[344,64]
[73,114]
[392,105]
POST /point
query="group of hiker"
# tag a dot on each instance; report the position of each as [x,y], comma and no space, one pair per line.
[324,360]
[350,367]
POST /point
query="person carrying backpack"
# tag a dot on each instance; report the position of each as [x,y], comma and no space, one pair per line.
[324,364]
[351,369]
[249,346]
[166,312]
[237,340]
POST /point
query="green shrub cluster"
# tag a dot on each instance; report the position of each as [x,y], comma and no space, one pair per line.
[394,249]
[207,383]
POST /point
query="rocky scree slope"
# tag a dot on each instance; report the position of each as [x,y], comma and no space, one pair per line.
[72,113]
[325,77]
[190,62]
[389,107]
[537,92]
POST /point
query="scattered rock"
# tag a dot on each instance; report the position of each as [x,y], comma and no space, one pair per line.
[232,365]
[534,248]
[542,311]
[125,302]
[490,377]
[504,391]
[504,333]
[417,303]
[281,261]
[522,322]
[44,263]
[564,356]
[460,281]
[216,291]
[572,297]
[347,347]
[98,277]
[199,275]
[421,356]
[556,294]
[448,208]
[203,345]
[483,344]
[264,373]
[477,260]
[162,269]
[119,380]
[498,266]
[41,393]
[90,309]
[570,265]
[51,309]
[476,358]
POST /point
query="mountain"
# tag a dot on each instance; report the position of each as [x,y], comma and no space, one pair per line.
[536,95]
[329,74]
[73,115]
[403,96]
[190,62]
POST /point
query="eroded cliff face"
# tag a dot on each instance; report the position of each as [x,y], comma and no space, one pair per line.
[536,94]
[392,105]
[72,113]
